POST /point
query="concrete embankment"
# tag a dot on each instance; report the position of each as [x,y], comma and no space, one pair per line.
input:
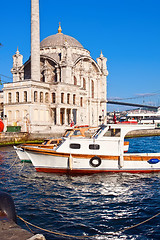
[144,133]
[9,230]
[9,138]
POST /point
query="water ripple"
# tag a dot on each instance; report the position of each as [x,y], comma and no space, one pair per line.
[98,205]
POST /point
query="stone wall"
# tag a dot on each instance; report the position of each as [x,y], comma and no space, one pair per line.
[18,137]
[7,137]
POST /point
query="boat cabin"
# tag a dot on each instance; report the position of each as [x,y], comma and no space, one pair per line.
[108,139]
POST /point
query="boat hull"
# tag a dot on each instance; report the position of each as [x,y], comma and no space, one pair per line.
[23,156]
[54,162]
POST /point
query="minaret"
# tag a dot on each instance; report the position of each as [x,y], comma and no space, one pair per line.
[102,63]
[17,60]
[35,41]
[17,70]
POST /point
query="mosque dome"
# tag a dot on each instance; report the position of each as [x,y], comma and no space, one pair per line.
[60,39]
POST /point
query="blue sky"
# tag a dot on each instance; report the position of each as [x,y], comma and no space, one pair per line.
[127,32]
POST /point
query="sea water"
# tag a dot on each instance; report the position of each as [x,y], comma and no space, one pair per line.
[102,206]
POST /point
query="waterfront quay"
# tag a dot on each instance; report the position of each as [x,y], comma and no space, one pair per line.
[10,138]
[9,230]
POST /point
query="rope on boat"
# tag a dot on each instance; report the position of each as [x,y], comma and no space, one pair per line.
[8,170]
[84,236]
[12,164]
[21,167]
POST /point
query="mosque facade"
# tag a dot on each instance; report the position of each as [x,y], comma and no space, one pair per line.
[72,87]
[69,87]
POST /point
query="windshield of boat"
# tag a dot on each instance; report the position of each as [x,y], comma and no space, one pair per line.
[45,141]
[76,132]
[113,132]
[98,132]
[60,143]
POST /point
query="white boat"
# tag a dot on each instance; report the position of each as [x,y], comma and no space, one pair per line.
[145,117]
[77,132]
[104,152]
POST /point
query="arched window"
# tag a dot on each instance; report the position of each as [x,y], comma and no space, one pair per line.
[46,97]
[35,96]
[17,96]
[62,97]
[75,80]
[41,97]
[68,98]
[25,96]
[74,99]
[92,88]
[81,101]
[53,98]
[9,97]
[42,77]
[84,83]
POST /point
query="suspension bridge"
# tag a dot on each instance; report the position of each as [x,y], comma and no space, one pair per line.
[149,101]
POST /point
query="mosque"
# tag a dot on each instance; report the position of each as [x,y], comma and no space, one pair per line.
[59,84]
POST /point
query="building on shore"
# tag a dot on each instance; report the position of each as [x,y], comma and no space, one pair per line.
[72,87]
[59,84]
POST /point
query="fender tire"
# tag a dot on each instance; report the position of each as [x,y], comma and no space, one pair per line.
[7,206]
[91,161]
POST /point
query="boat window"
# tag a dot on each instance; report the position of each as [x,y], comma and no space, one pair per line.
[60,142]
[76,132]
[75,146]
[113,133]
[53,142]
[94,146]
[45,142]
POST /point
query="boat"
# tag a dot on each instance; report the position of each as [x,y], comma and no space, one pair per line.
[145,117]
[124,120]
[103,152]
